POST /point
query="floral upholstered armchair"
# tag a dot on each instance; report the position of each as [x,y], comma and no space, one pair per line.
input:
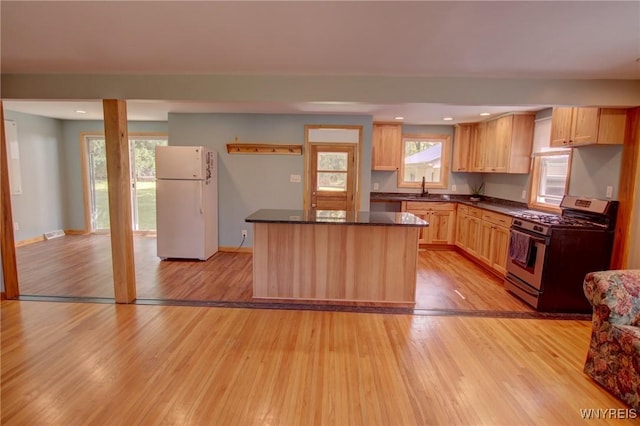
[613,359]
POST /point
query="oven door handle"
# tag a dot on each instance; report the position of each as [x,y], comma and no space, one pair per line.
[532,236]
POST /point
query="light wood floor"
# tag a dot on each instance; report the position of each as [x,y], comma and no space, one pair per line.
[107,364]
[80,266]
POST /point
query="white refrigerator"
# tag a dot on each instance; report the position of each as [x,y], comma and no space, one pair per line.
[186,202]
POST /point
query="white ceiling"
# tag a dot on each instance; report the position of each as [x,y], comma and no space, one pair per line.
[516,39]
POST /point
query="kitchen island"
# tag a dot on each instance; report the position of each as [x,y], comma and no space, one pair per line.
[335,255]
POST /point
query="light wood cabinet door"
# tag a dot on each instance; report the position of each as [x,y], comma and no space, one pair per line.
[585,123]
[463,139]
[521,143]
[478,148]
[386,146]
[500,248]
[485,242]
[443,226]
[473,235]
[462,228]
[423,236]
[561,126]
[612,126]
[499,144]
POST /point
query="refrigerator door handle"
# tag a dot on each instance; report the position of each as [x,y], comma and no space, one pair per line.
[200,200]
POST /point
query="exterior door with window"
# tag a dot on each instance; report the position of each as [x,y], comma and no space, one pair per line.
[332,177]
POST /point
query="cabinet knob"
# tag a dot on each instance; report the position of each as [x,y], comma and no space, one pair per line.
[493,169]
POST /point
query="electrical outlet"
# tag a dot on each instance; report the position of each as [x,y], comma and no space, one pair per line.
[454,188]
[295,178]
[609,191]
[524,194]
[376,186]
[244,233]
[16,226]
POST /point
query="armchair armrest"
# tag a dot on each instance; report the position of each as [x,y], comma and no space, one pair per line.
[614,295]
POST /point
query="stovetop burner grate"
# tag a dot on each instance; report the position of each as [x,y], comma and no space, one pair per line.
[556,220]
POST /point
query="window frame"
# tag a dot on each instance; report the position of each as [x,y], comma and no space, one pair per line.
[444,161]
[534,182]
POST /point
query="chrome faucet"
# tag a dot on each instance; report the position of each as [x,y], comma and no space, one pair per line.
[425,191]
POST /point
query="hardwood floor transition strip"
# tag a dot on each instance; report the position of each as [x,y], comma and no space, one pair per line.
[66,299]
[319,307]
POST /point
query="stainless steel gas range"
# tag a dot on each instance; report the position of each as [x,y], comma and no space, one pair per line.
[549,255]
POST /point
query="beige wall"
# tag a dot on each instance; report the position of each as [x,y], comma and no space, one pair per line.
[373,89]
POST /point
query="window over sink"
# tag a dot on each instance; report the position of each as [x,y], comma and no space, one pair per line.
[424,156]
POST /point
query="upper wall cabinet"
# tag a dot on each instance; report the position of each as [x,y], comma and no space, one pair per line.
[500,145]
[587,126]
[386,146]
[462,140]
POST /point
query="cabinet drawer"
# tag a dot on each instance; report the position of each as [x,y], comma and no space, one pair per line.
[497,218]
[463,209]
[427,205]
[475,212]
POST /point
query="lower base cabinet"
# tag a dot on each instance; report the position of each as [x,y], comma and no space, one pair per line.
[500,247]
[484,235]
[441,218]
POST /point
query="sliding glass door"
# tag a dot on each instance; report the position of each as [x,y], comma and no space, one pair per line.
[143,182]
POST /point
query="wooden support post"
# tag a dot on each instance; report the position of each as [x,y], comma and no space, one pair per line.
[119,180]
[626,241]
[7,245]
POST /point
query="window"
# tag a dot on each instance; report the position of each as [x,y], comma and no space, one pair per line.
[332,171]
[550,178]
[424,156]
[550,171]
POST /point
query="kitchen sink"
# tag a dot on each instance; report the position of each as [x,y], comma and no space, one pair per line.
[435,197]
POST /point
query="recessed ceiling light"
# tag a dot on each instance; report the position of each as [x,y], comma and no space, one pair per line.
[81,111]
[448,118]
[399,118]
[485,113]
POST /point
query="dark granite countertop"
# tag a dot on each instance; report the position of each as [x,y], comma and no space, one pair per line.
[336,218]
[497,205]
